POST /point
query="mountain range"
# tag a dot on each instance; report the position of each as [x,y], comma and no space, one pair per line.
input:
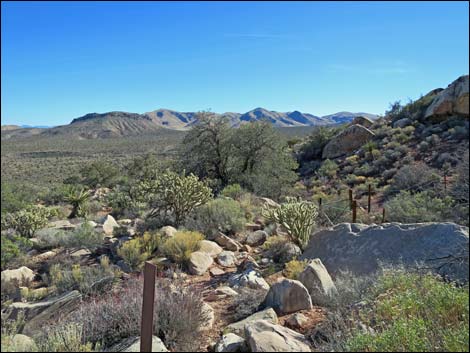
[116,124]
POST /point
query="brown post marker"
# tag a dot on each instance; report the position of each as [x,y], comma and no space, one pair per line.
[445,182]
[354,211]
[146,326]
[319,203]
[383,215]
[368,198]
[350,198]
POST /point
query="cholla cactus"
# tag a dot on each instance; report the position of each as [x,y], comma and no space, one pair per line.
[297,217]
[174,194]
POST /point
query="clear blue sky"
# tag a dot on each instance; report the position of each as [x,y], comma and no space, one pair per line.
[63,60]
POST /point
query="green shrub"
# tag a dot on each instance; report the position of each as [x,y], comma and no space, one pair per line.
[294,268]
[136,251]
[12,248]
[420,207]
[328,169]
[224,215]
[78,198]
[180,246]
[64,338]
[174,195]
[88,280]
[415,313]
[414,178]
[297,217]
[100,174]
[234,191]
[27,221]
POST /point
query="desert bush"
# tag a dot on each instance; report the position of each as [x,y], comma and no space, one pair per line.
[419,207]
[13,248]
[133,254]
[279,249]
[174,195]
[414,178]
[317,140]
[297,217]
[180,246]
[178,315]
[328,169]
[15,196]
[27,221]
[64,338]
[461,187]
[414,313]
[84,236]
[221,214]
[88,280]
[294,268]
[234,191]
[100,174]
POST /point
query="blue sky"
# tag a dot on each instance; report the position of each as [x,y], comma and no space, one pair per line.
[63,60]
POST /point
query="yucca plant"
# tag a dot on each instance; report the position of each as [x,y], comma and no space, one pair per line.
[78,198]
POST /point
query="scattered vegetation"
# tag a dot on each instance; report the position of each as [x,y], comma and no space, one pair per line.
[180,246]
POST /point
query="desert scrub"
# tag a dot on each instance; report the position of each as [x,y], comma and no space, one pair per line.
[181,245]
[136,251]
[418,313]
[294,268]
[88,280]
[84,236]
[27,221]
[234,191]
[280,250]
[298,218]
[420,207]
[64,338]
[219,215]
[13,249]
[178,315]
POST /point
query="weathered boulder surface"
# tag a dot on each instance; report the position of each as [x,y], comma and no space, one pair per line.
[362,249]
[256,238]
[209,247]
[238,328]
[132,344]
[288,296]
[347,141]
[168,231]
[231,343]
[37,314]
[315,277]
[454,100]
[226,259]
[20,275]
[263,336]
[199,262]
[362,120]
[227,243]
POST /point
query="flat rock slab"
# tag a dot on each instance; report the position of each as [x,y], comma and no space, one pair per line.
[362,249]
[238,327]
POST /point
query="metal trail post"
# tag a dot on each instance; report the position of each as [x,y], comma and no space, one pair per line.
[146,326]
[354,211]
[368,198]
[383,215]
[350,198]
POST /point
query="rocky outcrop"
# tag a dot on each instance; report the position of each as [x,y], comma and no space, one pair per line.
[132,344]
[109,223]
[19,276]
[209,247]
[362,120]
[347,141]
[227,243]
[454,100]
[316,278]
[249,278]
[231,343]
[38,314]
[256,238]
[362,249]
[288,296]
[199,262]
[238,328]
[263,336]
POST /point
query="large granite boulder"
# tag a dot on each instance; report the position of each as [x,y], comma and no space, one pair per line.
[451,101]
[263,336]
[288,296]
[109,223]
[315,277]
[256,238]
[209,247]
[347,141]
[238,327]
[39,313]
[362,249]
[231,343]
[199,263]
[227,243]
